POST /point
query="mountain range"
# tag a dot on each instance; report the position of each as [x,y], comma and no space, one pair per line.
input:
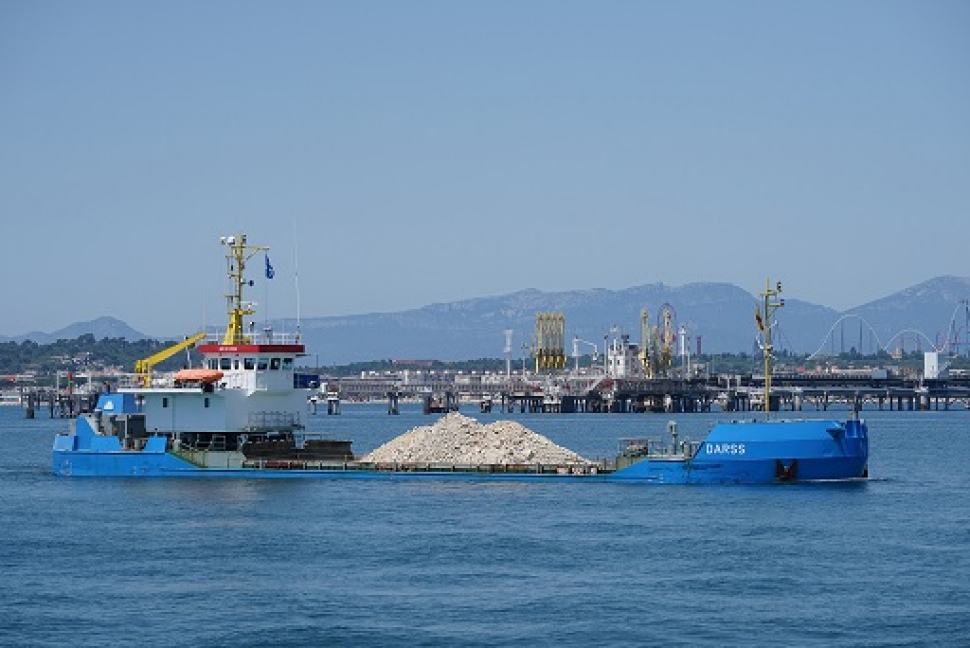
[923,316]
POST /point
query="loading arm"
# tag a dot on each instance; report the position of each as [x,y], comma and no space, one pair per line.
[144,366]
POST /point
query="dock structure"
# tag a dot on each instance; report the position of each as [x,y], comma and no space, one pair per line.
[57,403]
[727,393]
[570,394]
[439,402]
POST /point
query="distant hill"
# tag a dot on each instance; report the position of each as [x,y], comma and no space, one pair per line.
[936,308]
[720,314]
[102,327]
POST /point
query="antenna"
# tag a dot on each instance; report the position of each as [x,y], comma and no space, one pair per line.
[296,277]
[239,253]
[771,303]
[266,309]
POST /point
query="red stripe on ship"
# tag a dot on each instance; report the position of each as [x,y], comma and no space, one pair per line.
[250,348]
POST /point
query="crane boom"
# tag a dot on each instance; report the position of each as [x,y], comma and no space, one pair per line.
[144,366]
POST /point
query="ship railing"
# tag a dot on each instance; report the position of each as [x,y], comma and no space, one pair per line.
[640,447]
[657,447]
[273,422]
[266,336]
[130,381]
[160,380]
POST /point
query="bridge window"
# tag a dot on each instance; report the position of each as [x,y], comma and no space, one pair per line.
[274,364]
[263,363]
[213,363]
[287,364]
[249,364]
[235,364]
[225,363]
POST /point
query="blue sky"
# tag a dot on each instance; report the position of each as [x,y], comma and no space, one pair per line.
[397,154]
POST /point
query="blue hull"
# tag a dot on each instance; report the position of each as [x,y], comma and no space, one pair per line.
[758,471]
[732,453]
[765,452]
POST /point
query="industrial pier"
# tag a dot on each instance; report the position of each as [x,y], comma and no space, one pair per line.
[728,393]
[597,394]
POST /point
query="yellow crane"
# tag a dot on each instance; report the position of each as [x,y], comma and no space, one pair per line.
[144,366]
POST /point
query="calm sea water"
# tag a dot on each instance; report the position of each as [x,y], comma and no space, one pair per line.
[93,562]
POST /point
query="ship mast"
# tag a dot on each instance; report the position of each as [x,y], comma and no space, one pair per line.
[239,253]
[770,303]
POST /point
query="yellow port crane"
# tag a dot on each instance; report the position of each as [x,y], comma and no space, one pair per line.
[646,339]
[667,337]
[144,366]
[549,342]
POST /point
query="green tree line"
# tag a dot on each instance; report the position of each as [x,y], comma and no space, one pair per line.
[84,353]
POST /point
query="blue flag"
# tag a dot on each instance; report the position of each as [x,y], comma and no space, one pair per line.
[269,269]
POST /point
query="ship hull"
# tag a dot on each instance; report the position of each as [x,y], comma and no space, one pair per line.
[732,453]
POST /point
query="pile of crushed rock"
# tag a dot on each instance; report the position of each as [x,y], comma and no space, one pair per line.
[461,440]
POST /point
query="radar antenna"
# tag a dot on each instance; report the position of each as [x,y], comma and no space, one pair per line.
[239,253]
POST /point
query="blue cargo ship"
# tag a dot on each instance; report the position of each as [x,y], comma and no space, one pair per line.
[240,415]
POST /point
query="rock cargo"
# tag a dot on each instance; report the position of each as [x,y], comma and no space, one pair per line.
[461,440]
